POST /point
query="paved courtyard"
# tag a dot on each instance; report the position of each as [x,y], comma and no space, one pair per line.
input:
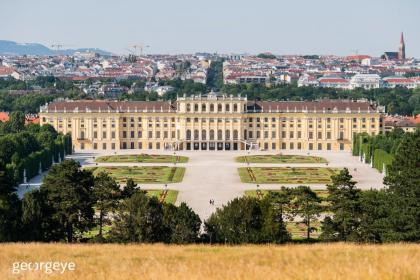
[214,175]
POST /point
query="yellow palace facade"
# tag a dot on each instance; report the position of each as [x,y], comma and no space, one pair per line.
[213,122]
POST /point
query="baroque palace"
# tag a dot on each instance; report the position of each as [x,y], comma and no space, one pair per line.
[213,122]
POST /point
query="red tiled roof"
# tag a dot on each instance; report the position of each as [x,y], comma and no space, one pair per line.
[34,120]
[6,70]
[333,80]
[74,78]
[327,105]
[415,119]
[4,117]
[402,121]
[357,57]
[105,105]
[399,80]
[125,106]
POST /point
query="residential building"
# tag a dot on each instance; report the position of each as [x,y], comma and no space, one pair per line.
[393,82]
[366,81]
[334,82]
[308,80]
[408,124]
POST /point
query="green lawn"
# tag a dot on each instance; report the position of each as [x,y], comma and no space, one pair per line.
[95,231]
[253,193]
[143,174]
[287,175]
[281,159]
[298,230]
[170,197]
[143,158]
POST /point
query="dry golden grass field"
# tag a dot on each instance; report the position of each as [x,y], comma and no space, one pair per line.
[318,261]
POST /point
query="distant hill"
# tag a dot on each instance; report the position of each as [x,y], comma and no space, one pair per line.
[13,48]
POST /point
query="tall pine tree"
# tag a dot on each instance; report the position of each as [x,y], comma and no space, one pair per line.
[403,181]
[344,200]
[107,194]
[69,193]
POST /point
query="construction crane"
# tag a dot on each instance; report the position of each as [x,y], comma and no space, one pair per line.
[139,47]
[57,47]
[356,51]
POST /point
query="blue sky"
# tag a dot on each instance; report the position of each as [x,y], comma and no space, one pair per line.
[184,26]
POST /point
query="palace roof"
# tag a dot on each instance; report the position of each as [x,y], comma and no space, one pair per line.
[319,106]
[107,106]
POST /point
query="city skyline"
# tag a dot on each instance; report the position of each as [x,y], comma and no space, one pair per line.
[324,27]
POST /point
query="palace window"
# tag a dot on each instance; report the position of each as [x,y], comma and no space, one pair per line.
[235,134]
[227,134]
[211,134]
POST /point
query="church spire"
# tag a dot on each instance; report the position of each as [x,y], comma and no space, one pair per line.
[401,50]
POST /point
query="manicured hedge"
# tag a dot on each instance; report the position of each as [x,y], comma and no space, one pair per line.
[362,146]
[379,147]
[380,157]
[45,157]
